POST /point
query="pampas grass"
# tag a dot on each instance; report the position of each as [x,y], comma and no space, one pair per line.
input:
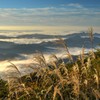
[57,80]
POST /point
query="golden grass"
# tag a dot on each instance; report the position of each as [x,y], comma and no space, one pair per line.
[79,80]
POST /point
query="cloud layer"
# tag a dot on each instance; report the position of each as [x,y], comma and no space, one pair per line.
[68,14]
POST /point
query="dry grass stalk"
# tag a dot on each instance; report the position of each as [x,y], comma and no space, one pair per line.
[74,75]
[57,91]
[15,84]
[62,42]
[40,60]
[90,31]
[96,93]
[82,56]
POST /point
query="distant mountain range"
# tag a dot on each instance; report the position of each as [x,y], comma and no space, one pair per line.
[10,50]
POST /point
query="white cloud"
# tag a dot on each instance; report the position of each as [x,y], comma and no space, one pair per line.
[50,16]
[77,5]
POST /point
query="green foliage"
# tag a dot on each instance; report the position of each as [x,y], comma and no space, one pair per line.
[3,89]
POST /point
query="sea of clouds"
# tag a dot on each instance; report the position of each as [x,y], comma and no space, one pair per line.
[20,46]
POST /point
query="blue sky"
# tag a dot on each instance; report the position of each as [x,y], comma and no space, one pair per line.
[45,3]
[51,13]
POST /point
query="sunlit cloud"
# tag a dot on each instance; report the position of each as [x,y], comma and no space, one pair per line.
[69,15]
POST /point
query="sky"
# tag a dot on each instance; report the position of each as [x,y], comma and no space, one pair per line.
[56,15]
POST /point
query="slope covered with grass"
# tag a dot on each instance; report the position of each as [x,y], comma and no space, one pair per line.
[58,80]
[78,80]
